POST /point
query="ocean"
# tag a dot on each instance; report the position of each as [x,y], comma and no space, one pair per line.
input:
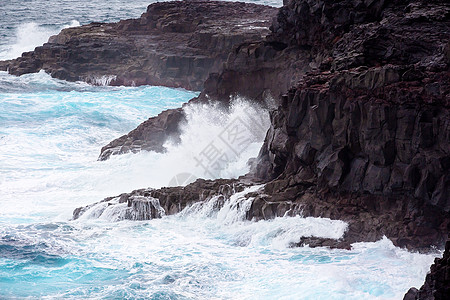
[51,132]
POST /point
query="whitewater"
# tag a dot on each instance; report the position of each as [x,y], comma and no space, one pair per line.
[51,132]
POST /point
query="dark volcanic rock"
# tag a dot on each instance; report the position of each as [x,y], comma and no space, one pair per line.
[171,199]
[310,35]
[150,135]
[367,134]
[258,70]
[173,44]
[364,135]
[437,282]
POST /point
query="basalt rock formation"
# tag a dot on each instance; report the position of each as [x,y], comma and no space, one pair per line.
[368,132]
[171,199]
[363,135]
[174,44]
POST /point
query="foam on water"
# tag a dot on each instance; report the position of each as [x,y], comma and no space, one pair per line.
[51,132]
[180,257]
[50,135]
[29,36]
[50,140]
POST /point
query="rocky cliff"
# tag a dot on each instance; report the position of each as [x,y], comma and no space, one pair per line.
[175,44]
[363,136]
[368,131]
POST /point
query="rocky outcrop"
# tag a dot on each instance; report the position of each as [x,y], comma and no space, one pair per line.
[258,70]
[171,200]
[363,136]
[149,136]
[174,44]
[437,282]
[368,148]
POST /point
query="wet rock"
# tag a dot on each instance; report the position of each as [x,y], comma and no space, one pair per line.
[173,44]
[150,135]
[365,134]
[147,204]
[346,144]
[143,208]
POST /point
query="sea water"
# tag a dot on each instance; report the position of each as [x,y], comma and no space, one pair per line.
[51,132]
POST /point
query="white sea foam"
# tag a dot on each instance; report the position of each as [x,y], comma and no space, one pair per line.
[49,143]
[216,143]
[104,80]
[65,129]
[282,232]
[30,35]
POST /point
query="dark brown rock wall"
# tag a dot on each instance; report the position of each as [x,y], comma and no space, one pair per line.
[173,44]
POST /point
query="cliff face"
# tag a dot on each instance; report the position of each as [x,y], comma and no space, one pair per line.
[363,135]
[174,44]
[369,129]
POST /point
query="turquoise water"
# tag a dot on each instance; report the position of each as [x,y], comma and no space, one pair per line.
[50,135]
[51,132]
[27,24]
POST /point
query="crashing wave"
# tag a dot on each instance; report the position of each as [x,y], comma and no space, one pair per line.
[30,35]
[104,80]
[136,208]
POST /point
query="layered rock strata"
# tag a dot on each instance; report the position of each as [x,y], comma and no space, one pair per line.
[174,44]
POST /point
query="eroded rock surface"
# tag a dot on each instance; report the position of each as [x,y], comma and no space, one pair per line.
[368,132]
[149,136]
[174,44]
[171,199]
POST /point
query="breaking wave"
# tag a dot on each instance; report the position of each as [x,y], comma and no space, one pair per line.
[50,136]
[29,36]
